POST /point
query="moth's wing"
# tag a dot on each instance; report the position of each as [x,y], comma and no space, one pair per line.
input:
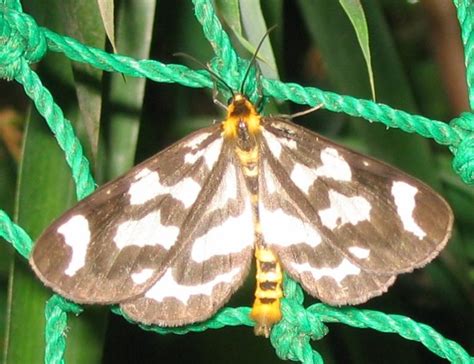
[115,243]
[215,258]
[351,223]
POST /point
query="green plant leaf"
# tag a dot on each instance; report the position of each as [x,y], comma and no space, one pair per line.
[331,31]
[135,26]
[81,20]
[44,187]
[229,11]
[255,28]
[355,12]
[106,9]
[7,185]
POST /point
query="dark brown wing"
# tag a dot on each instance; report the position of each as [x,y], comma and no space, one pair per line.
[344,224]
[216,255]
[115,244]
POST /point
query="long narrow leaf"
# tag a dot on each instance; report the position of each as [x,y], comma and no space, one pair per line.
[355,12]
[134,36]
[81,20]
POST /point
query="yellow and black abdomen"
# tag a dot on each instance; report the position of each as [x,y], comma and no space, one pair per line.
[266,307]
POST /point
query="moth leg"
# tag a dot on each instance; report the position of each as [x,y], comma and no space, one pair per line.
[216,100]
[301,113]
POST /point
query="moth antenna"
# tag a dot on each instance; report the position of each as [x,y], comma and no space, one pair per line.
[208,69]
[254,57]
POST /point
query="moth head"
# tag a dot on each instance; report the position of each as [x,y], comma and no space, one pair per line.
[242,121]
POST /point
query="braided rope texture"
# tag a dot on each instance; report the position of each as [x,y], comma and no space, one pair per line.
[23,42]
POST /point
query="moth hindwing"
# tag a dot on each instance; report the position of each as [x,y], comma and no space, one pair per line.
[172,239]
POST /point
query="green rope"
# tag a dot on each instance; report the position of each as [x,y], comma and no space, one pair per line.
[153,70]
[61,128]
[226,63]
[20,41]
[15,235]
[12,4]
[465,13]
[218,39]
[56,326]
[23,42]
[404,326]
[463,162]
[437,130]
[227,316]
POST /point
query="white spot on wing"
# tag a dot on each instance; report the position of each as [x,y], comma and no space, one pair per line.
[198,139]
[147,231]
[269,179]
[227,189]
[404,197]
[145,188]
[343,210]
[303,177]
[359,252]
[273,143]
[334,166]
[143,173]
[192,157]
[148,186]
[77,235]
[142,276]
[344,269]
[168,287]
[186,191]
[232,236]
[211,154]
[280,228]
[290,143]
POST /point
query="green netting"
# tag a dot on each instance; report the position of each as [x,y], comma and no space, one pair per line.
[23,42]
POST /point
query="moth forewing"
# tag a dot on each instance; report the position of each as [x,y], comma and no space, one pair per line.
[116,243]
[356,222]
[215,256]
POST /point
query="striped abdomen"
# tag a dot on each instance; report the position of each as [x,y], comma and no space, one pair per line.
[266,307]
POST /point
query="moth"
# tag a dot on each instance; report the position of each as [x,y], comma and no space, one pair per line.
[171,240]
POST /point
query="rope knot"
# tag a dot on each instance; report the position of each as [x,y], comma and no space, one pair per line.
[291,336]
[237,78]
[463,162]
[21,39]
